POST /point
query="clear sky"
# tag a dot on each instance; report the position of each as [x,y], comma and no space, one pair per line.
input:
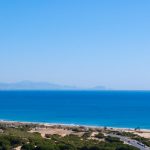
[76,42]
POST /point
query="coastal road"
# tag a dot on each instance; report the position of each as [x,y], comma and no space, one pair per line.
[129,141]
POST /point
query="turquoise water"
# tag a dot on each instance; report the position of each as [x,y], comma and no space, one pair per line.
[103,108]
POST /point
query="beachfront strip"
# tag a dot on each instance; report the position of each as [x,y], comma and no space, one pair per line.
[33,136]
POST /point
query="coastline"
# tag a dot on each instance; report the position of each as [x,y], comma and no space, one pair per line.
[57,131]
[74,125]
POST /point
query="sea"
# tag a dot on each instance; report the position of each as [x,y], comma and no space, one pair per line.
[124,109]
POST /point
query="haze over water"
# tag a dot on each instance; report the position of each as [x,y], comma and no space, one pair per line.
[102,108]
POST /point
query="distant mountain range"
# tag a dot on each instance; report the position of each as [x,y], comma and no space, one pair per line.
[28,85]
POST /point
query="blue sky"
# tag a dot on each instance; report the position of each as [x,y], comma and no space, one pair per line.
[76,42]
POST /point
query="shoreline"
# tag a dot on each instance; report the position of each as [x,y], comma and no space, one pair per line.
[75,125]
[56,131]
[60,128]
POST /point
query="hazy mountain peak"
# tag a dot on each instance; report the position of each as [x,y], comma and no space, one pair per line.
[30,85]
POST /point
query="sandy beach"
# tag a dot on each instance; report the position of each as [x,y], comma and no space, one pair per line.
[67,129]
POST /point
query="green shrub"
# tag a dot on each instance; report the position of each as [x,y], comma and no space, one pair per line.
[100,135]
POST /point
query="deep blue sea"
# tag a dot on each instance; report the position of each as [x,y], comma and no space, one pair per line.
[102,108]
